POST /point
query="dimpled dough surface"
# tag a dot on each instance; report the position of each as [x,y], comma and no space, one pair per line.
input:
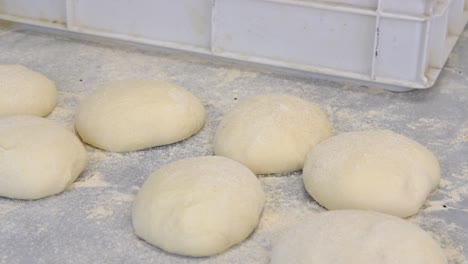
[137,114]
[356,237]
[371,170]
[38,157]
[271,133]
[25,92]
[198,206]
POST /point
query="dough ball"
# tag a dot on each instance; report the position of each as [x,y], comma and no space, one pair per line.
[371,170]
[137,114]
[361,237]
[271,133]
[25,92]
[198,206]
[38,157]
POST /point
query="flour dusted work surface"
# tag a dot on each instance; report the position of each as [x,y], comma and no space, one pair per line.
[198,206]
[271,133]
[25,92]
[138,114]
[91,222]
[38,157]
[357,237]
[371,170]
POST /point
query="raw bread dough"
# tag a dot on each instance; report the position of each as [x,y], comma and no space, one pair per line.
[25,92]
[137,114]
[38,157]
[356,237]
[198,206]
[271,133]
[372,170]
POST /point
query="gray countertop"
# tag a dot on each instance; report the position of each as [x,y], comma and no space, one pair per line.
[91,221]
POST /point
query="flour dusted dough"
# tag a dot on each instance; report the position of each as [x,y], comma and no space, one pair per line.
[25,92]
[374,170]
[356,237]
[38,157]
[271,133]
[198,206]
[137,114]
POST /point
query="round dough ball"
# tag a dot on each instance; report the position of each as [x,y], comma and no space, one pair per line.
[25,92]
[371,170]
[137,114]
[271,133]
[38,157]
[198,206]
[343,237]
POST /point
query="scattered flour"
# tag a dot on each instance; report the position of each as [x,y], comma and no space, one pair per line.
[462,136]
[94,181]
[99,212]
[449,196]
[443,233]
[8,206]
[120,198]
[232,74]
[105,208]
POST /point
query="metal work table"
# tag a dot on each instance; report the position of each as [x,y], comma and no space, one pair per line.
[91,221]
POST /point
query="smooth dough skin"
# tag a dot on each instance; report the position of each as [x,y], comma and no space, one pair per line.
[371,170]
[198,206]
[356,237]
[38,157]
[137,114]
[25,92]
[271,133]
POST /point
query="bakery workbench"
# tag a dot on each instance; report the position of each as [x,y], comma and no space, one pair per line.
[91,221]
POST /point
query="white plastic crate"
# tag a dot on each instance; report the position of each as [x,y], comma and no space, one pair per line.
[398,44]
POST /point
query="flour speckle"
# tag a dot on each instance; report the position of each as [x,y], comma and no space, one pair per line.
[233,74]
[93,181]
[99,212]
